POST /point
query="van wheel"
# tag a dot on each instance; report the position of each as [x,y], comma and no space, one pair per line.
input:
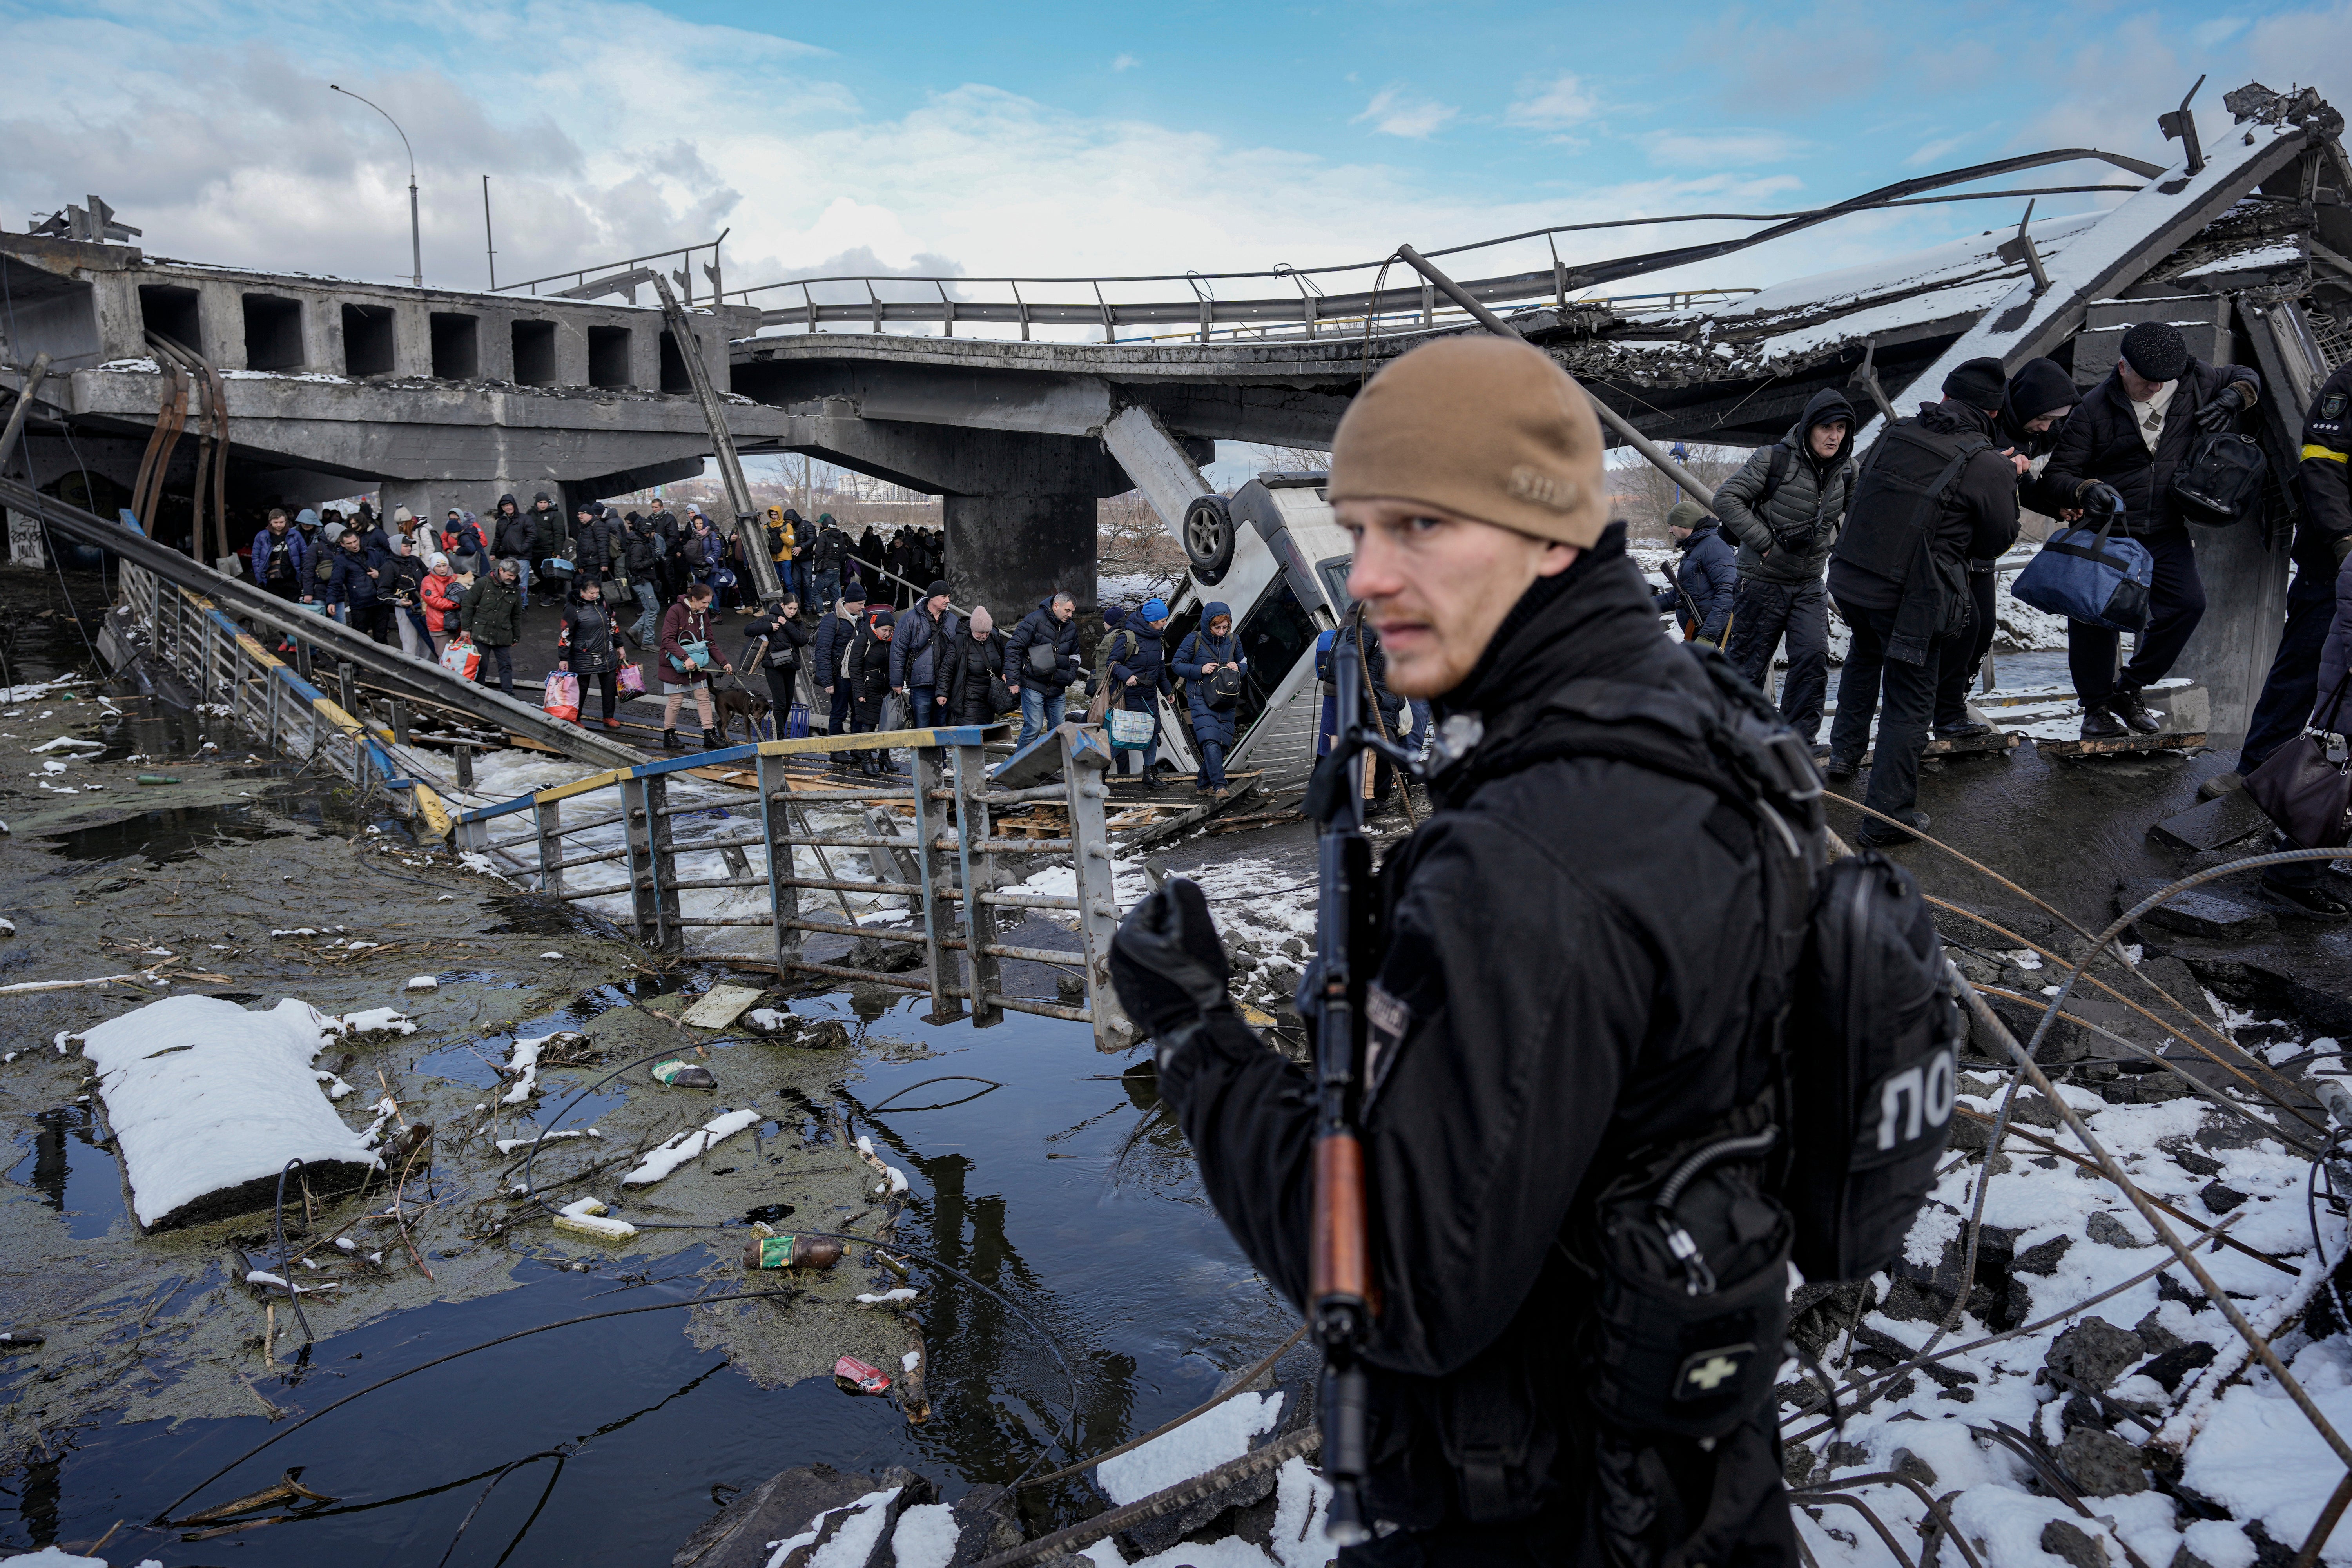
[1208,534]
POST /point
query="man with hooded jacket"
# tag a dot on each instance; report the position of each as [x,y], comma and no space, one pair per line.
[1538,1010]
[1783,506]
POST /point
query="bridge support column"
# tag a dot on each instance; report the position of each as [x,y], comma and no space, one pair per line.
[1008,551]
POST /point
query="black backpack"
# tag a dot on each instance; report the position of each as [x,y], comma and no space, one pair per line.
[1849,1094]
[2222,479]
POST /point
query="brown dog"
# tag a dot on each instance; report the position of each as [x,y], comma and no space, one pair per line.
[736,703]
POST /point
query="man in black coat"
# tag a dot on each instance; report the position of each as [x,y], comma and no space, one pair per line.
[2033,413]
[1898,605]
[1538,1006]
[828,652]
[547,538]
[2125,442]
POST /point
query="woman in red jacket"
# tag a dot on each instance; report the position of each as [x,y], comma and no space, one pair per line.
[439,593]
[684,668]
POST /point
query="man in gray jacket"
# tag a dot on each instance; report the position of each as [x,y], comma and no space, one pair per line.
[1784,506]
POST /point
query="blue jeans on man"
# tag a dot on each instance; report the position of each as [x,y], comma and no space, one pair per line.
[1040,711]
[922,706]
[828,589]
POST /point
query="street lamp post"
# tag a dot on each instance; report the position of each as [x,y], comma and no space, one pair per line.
[415,238]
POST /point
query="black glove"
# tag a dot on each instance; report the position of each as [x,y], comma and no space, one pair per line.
[2098,495]
[1168,964]
[2223,410]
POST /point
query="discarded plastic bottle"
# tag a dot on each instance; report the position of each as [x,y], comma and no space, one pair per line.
[158,778]
[684,1075]
[791,1252]
[860,1377]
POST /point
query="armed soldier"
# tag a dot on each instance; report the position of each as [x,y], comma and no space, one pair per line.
[1543,1034]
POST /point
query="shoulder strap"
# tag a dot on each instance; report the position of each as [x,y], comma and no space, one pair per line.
[1776,472]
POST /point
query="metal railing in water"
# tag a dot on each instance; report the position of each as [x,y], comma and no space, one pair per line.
[230,670]
[955,868]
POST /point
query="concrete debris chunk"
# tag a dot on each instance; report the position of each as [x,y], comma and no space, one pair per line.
[2093,1352]
[2195,913]
[2068,1541]
[2102,1464]
[2109,1231]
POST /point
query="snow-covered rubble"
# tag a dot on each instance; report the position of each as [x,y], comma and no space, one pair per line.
[205,1098]
[2095,1389]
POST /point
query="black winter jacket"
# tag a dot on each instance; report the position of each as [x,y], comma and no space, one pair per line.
[830,646]
[2102,441]
[1810,499]
[1979,519]
[787,640]
[510,534]
[1039,625]
[587,640]
[868,667]
[915,644]
[637,557]
[350,583]
[1706,582]
[2326,475]
[966,668]
[547,533]
[1547,1013]
[602,542]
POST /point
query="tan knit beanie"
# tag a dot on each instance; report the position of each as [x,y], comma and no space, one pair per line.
[1482,426]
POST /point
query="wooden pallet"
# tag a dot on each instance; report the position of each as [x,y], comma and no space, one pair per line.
[2121,745]
[1993,744]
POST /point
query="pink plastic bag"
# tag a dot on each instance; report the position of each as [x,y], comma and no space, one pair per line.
[563,700]
[632,677]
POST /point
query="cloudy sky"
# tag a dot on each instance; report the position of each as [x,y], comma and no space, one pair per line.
[1076,138]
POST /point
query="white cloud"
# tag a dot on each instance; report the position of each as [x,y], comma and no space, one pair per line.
[1393,112]
[610,129]
[1125,62]
[1558,105]
[2219,30]
[1722,149]
[1935,152]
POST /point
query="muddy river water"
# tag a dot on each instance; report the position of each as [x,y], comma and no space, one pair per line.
[1063,1190]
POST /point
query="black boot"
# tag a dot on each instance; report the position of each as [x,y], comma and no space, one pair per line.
[1877,835]
[670,742]
[713,739]
[2099,724]
[2126,706]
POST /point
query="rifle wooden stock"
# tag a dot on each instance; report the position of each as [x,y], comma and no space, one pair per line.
[1340,1257]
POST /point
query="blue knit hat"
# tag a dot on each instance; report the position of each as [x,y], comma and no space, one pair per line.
[1153,610]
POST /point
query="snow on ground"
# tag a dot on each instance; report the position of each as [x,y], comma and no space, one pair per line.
[2075,1235]
[205,1096]
[1200,1445]
[665,1157]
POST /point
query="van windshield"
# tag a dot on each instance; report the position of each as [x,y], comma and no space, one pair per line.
[1275,636]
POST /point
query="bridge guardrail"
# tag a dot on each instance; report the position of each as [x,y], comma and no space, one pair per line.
[1309,306]
[227,666]
[954,868]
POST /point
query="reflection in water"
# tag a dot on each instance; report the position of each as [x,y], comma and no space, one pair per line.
[75,1175]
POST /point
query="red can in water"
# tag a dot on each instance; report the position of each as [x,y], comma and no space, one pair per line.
[865,1379]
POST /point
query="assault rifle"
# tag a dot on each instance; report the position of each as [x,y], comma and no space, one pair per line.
[1343,1299]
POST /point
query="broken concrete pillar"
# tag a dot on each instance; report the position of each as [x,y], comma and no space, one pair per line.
[2245,612]
[1008,551]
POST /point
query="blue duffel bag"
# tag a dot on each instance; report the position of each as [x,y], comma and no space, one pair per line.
[2084,575]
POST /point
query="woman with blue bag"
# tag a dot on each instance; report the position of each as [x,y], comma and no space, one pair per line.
[1210,664]
[686,662]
